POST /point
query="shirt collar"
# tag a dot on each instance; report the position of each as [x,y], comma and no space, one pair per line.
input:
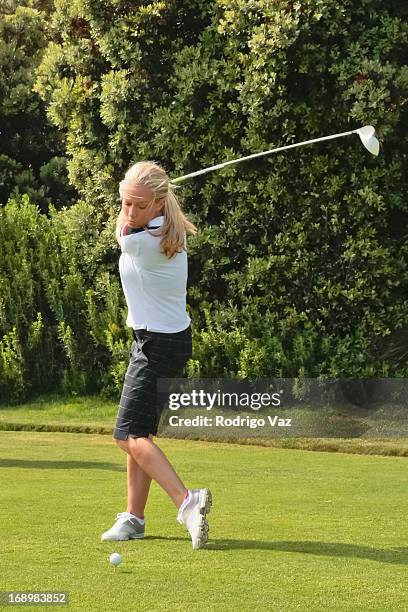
[156,221]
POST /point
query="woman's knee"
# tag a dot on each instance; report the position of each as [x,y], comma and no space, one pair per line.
[138,447]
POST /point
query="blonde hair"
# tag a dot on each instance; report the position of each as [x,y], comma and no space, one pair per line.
[176,225]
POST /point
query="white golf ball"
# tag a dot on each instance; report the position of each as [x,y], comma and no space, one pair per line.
[115,559]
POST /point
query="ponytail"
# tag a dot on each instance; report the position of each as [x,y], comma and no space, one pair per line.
[175,226]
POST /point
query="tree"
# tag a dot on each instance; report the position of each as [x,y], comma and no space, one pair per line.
[32,156]
[310,244]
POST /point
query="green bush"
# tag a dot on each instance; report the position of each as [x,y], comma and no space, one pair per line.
[61,308]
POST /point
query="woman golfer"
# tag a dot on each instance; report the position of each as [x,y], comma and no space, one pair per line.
[151,230]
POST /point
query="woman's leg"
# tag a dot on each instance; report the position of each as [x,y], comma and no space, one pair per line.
[151,459]
[138,483]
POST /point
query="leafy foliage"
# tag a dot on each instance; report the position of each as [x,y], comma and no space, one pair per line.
[32,157]
[61,312]
[300,265]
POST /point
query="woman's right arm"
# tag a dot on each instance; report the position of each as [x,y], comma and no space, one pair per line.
[119,224]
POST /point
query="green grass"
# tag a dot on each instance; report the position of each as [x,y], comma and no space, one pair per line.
[290,530]
[86,411]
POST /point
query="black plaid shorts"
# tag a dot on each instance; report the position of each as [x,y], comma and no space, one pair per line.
[153,355]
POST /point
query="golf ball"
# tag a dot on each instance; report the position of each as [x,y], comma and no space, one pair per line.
[115,558]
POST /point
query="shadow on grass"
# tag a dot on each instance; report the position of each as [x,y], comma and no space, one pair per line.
[398,555]
[327,549]
[60,465]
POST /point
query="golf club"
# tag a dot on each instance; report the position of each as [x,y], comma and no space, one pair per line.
[366,134]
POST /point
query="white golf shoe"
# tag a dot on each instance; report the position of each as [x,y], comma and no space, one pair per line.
[192,514]
[126,527]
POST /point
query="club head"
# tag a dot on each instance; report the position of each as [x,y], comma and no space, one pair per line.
[368,138]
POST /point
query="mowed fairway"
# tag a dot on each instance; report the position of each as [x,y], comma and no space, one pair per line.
[289,529]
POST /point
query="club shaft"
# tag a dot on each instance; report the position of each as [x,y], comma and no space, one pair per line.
[180,179]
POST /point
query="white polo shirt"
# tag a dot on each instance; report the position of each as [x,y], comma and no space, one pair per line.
[155,287]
